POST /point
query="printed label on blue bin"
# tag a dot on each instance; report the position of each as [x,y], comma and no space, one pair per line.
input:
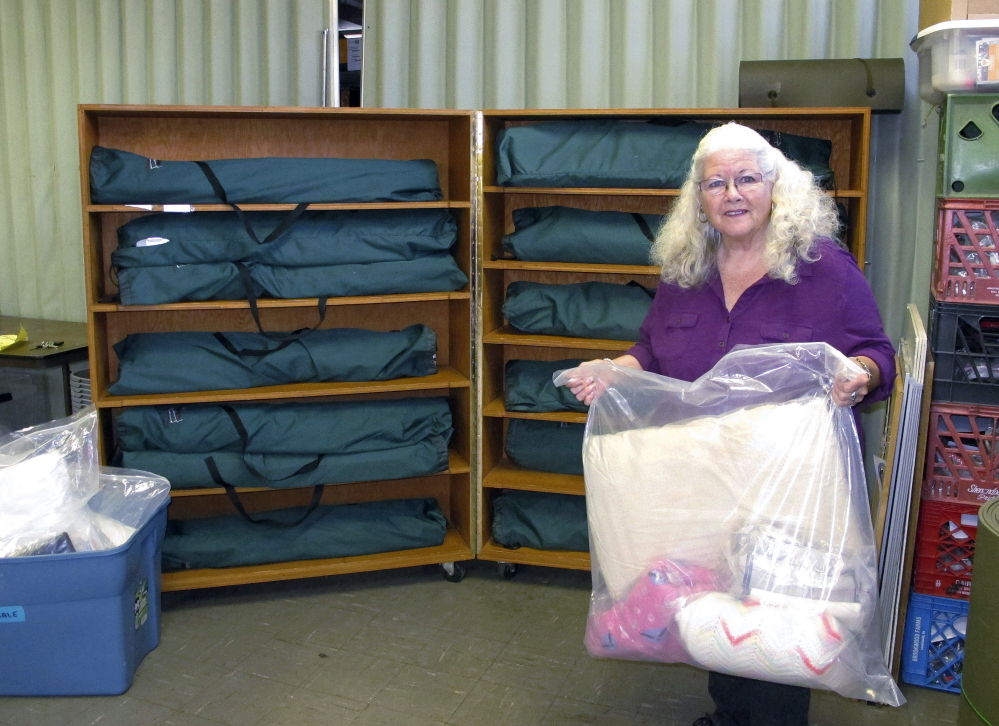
[11,614]
[141,604]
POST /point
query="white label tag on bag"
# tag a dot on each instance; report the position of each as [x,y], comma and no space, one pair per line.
[151,241]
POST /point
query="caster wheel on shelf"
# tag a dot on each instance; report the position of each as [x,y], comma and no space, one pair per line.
[453,571]
[507,570]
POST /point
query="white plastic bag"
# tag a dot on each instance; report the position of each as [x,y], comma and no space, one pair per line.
[729,522]
[54,498]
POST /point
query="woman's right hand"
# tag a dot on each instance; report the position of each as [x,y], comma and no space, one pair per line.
[588,388]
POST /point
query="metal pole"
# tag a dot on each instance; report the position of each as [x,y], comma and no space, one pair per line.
[326,55]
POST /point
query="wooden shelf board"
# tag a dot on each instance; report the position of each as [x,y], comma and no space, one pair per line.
[283,303]
[507,475]
[818,112]
[266,112]
[570,267]
[98,208]
[591,191]
[446,377]
[453,549]
[566,559]
[497,409]
[622,192]
[508,336]
[456,465]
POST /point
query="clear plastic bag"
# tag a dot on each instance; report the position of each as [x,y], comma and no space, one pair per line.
[729,522]
[54,498]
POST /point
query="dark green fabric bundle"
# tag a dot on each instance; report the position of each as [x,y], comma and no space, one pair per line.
[581,310]
[287,471]
[316,238]
[542,520]
[552,446]
[431,273]
[565,234]
[196,361]
[290,428]
[119,177]
[528,387]
[344,530]
[181,283]
[615,153]
[436,272]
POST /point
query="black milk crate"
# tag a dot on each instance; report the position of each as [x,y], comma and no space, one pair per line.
[964,339]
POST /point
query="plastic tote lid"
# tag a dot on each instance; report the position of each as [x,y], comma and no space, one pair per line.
[923,37]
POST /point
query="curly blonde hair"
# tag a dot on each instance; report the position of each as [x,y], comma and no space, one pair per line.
[686,248]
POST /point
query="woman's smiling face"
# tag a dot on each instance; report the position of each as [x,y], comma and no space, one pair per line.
[739,214]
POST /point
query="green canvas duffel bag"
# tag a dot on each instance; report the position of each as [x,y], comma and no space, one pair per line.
[120,177]
[581,310]
[528,387]
[288,471]
[541,520]
[552,446]
[436,272]
[315,238]
[615,153]
[283,428]
[344,530]
[565,234]
[197,361]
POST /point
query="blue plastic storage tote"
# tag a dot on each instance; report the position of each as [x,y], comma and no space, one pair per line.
[79,624]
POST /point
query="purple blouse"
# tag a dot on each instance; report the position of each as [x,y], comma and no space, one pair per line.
[687,331]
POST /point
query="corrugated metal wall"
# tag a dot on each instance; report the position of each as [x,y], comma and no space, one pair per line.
[603,53]
[55,54]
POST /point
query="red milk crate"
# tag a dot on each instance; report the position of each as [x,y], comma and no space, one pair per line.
[967,251]
[962,463]
[945,548]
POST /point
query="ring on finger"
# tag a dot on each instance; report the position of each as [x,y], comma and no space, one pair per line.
[853,397]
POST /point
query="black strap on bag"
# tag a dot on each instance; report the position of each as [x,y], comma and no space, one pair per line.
[251,297]
[286,223]
[227,344]
[230,490]
[643,288]
[644,226]
[244,273]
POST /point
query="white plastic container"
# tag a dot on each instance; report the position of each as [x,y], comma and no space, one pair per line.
[960,56]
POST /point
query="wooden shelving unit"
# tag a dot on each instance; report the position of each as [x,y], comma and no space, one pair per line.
[203,133]
[497,343]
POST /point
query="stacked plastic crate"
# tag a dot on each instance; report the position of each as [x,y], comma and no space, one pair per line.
[961,465]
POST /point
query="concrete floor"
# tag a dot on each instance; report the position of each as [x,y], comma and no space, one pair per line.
[406,648]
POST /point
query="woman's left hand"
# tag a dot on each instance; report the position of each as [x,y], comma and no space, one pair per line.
[851,391]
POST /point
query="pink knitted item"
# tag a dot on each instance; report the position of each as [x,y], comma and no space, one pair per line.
[641,626]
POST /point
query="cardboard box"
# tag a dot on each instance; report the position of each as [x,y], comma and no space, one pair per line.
[932,12]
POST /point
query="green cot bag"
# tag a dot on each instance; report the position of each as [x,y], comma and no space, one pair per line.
[528,387]
[565,234]
[436,272]
[344,530]
[197,361]
[284,428]
[288,471]
[540,520]
[654,154]
[120,177]
[581,310]
[182,283]
[315,238]
[553,446]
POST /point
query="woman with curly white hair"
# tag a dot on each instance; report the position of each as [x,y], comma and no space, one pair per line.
[747,257]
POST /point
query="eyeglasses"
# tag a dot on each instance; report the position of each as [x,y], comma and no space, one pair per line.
[743,183]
